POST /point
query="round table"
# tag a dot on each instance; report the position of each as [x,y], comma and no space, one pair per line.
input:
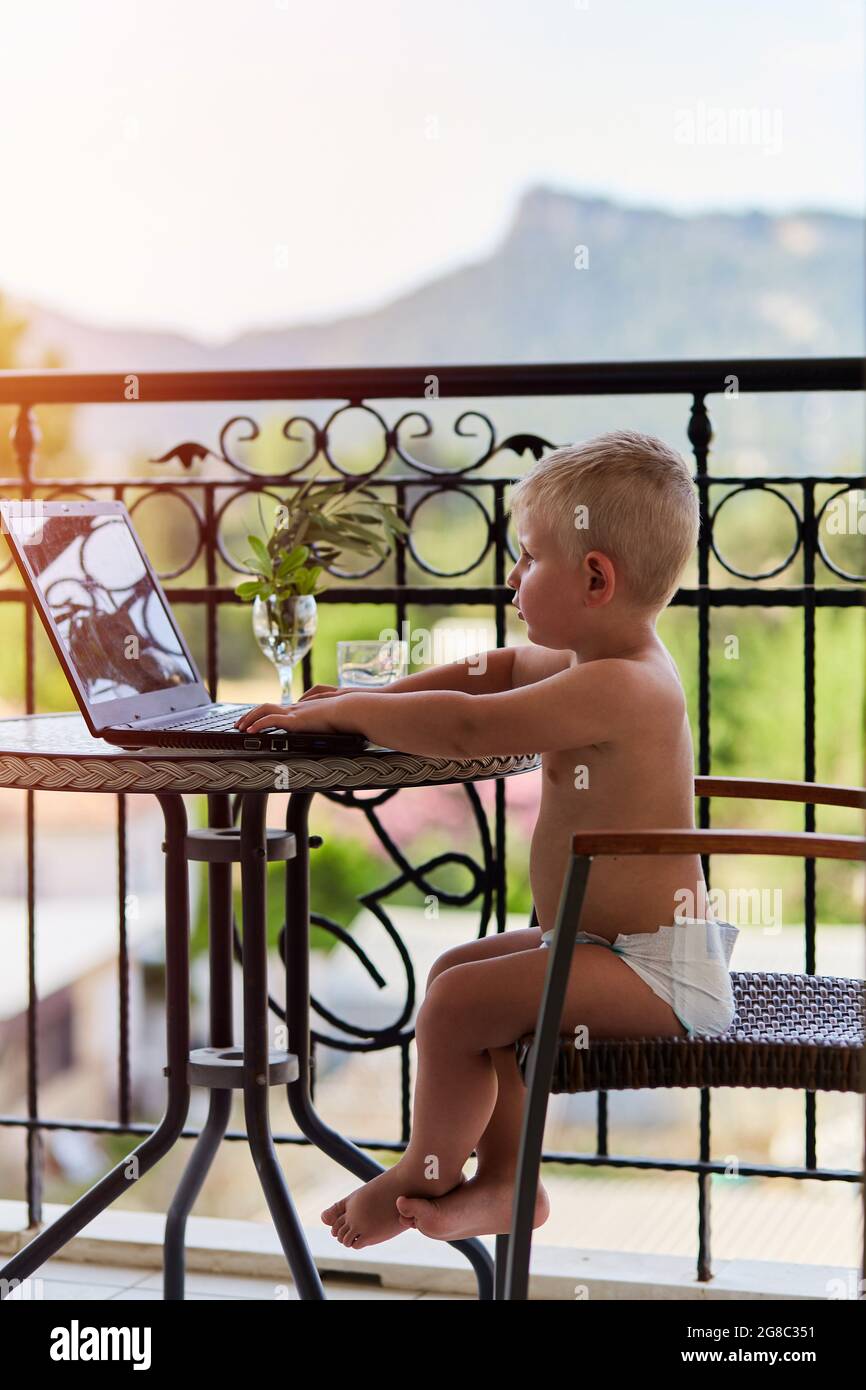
[57,753]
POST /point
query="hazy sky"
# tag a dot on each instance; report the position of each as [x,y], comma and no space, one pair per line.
[215,165]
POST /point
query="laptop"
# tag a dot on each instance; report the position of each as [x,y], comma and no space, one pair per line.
[116,637]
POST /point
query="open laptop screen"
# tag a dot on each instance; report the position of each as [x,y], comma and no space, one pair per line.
[108,611]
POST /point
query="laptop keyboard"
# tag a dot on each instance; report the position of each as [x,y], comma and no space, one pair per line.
[217,721]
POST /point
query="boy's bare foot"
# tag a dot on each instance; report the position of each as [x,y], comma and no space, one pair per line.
[479,1207]
[369,1214]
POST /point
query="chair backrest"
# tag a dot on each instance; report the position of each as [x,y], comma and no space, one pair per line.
[756,789]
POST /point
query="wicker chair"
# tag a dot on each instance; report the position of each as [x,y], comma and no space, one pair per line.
[801,1032]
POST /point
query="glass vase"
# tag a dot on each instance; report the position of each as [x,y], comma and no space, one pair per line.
[284,628]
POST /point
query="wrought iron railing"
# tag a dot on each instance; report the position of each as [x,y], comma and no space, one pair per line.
[208,498]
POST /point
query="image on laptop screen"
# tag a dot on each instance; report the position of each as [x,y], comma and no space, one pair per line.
[110,616]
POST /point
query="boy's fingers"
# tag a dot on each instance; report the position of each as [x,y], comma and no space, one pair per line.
[269,721]
[255,712]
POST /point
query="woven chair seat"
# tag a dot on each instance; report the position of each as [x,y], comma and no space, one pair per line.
[800,1031]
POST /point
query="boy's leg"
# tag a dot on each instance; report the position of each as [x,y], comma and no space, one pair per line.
[607,998]
[484,1005]
[500,943]
[482,948]
[497,1147]
[469,1011]
[483,1204]
[460,1086]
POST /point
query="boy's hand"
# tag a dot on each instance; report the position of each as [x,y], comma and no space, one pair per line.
[424,722]
[316,692]
[322,692]
[319,716]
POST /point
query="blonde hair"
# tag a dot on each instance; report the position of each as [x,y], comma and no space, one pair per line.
[641,508]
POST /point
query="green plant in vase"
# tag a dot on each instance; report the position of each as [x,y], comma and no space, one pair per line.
[310,532]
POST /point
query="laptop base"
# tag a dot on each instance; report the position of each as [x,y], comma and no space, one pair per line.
[276,741]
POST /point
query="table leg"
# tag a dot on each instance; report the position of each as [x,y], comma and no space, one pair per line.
[156,1145]
[256,1047]
[335,1145]
[220,1035]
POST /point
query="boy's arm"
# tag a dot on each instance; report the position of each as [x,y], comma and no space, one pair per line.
[490,672]
[572,709]
[484,674]
[533,664]
[476,675]
[586,704]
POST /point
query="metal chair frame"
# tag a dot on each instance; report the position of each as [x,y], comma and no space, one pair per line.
[513,1250]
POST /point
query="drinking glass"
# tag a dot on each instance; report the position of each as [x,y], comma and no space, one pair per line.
[370,665]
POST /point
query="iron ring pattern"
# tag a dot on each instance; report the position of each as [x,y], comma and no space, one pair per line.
[197,519]
[831,565]
[762,489]
[244,481]
[489,537]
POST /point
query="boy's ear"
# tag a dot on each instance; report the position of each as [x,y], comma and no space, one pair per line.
[600,573]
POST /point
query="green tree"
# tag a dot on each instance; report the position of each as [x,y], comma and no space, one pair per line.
[54,455]
[55,422]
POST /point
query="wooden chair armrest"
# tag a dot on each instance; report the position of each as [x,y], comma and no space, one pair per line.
[801,844]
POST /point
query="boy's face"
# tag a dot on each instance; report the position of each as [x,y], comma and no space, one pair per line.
[548,588]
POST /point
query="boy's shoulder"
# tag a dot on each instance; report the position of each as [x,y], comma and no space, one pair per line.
[611,699]
[645,685]
[652,671]
[652,679]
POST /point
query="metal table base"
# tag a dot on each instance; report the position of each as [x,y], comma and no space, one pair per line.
[224,1067]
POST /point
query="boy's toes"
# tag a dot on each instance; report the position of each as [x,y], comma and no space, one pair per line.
[413,1208]
[330,1214]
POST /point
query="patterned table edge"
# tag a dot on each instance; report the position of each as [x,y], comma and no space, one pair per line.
[90,773]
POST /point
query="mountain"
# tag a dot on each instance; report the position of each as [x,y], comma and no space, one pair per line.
[653,284]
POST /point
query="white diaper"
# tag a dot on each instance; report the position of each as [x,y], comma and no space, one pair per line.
[686,964]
